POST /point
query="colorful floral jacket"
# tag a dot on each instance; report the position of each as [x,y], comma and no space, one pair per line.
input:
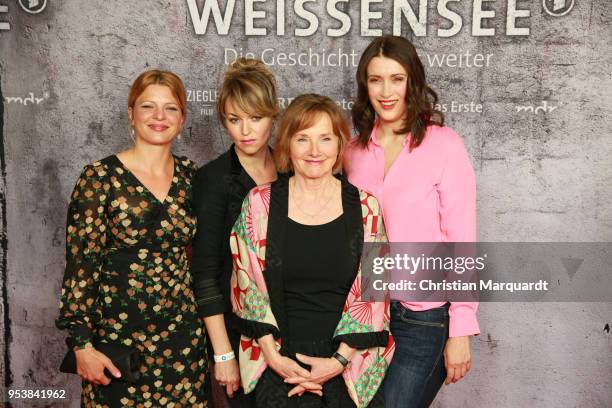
[257,286]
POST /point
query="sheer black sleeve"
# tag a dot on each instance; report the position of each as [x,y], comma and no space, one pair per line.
[210,200]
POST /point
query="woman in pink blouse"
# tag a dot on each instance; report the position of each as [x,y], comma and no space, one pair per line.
[420,172]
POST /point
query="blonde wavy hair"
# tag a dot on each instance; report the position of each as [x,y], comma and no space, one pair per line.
[250,86]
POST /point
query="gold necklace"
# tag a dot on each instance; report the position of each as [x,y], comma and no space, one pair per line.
[295,201]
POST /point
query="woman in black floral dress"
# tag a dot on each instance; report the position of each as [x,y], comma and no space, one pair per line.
[127,278]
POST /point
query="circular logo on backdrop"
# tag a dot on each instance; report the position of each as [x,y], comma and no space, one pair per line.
[33,6]
[557,8]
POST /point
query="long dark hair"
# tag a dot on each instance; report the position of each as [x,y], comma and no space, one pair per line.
[420,98]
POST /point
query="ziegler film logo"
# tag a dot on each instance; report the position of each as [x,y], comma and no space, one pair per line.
[33,6]
[557,8]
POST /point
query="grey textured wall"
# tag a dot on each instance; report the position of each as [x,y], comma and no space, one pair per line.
[543,174]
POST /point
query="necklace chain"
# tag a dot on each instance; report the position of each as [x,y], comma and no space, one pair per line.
[295,201]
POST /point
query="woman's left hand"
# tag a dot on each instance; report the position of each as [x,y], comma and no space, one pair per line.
[457,358]
[322,370]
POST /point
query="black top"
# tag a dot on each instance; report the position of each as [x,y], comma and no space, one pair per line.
[318,273]
[278,221]
[219,189]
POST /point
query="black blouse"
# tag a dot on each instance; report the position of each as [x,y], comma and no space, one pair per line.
[275,262]
[318,274]
[219,188]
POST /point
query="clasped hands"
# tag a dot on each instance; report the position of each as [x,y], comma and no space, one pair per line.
[321,370]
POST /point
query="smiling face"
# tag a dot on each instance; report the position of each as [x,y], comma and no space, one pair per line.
[314,150]
[156,116]
[387,87]
[249,132]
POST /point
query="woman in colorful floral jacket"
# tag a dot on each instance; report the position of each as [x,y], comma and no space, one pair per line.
[296,280]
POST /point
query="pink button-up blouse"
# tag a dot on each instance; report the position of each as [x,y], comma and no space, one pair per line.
[427,195]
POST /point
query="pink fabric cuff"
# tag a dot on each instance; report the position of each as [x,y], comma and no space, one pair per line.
[462,319]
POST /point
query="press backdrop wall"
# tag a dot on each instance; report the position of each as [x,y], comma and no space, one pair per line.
[527,84]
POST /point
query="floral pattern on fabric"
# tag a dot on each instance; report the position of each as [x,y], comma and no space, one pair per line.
[127,280]
[364,375]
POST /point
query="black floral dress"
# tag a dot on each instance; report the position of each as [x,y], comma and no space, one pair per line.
[127,280]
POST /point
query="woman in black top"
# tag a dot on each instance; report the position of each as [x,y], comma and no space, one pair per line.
[309,337]
[247,106]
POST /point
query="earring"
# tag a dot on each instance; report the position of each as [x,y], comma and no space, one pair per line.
[179,136]
[132,134]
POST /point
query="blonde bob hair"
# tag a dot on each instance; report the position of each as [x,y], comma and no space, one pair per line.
[250,86]
[302,113]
